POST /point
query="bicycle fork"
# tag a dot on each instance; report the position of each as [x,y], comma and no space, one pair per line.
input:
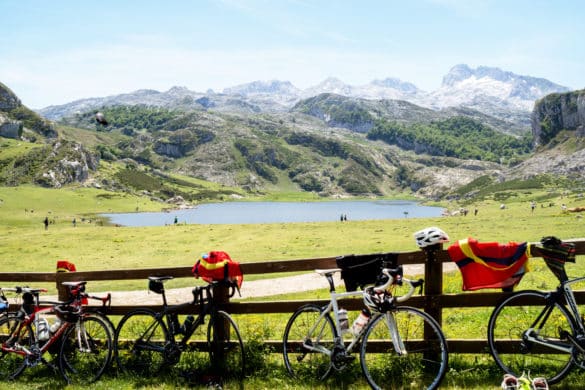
[395,335]
[83,341]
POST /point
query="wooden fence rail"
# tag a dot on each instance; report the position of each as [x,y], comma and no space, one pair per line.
[432,301]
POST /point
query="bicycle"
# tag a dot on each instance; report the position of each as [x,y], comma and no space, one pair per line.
[399,346]
[540,332]
[147,342]
[81,342]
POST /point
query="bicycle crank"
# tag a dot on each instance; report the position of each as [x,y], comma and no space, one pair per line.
[172,353]
[340,358]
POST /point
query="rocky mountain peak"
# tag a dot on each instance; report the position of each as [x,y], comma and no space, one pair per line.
[397,84]
[263,87]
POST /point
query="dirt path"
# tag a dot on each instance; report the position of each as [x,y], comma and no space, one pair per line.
[250,289]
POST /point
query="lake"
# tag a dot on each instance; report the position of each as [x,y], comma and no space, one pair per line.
[279,212]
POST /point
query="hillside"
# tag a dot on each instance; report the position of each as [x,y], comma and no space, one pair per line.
[330,145]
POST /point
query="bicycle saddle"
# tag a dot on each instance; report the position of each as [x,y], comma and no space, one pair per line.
[160,278]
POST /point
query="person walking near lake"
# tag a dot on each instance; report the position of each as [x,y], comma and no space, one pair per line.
[46,222]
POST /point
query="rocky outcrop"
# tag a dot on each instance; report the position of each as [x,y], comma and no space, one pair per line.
[169,149]
[557,112]
[8,100]
[67,163]
[10,128]
[14,117]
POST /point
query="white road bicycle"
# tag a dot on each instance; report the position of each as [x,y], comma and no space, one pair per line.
[400,346]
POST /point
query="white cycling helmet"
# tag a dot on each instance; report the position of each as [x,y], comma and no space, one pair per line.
[430,236]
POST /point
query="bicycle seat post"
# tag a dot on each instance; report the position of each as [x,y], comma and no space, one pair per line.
[329,277]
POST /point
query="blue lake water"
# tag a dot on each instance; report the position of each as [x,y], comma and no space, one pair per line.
[279,212]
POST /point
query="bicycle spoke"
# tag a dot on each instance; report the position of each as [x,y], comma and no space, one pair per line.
[301,355]
[140,344]
[421,364]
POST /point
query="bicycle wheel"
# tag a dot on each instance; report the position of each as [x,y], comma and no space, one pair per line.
[299,360]
[12,364]
[140,342]
[86,350]
[422,362]
[226,349]
[514,353]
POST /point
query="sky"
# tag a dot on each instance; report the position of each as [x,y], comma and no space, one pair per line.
[54,52]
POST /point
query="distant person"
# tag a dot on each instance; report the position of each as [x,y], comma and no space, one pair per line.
[74,222]
[46,222]
[532,206]
[475,211]
[176,220]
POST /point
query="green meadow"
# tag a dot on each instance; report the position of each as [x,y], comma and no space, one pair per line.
[92,244]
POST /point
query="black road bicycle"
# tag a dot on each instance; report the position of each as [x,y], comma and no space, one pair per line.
[148,343]
[540,333]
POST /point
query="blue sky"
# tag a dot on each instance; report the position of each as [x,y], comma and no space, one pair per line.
[54,52]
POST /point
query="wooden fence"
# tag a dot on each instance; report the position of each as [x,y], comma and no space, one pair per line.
[433,301]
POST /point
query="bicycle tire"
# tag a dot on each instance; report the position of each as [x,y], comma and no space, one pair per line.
[425,362]
[86,350]
[299,361]
[139,344]
[510,320]
[13,364]
[226,354]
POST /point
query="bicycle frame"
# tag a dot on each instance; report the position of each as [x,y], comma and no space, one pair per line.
[564,290]
[22,328]
[205,309]
[203,298]
[333,306]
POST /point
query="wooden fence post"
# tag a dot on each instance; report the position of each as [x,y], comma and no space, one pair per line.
[433,282]
[221,329]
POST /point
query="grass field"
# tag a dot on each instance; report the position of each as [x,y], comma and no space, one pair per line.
[25,246]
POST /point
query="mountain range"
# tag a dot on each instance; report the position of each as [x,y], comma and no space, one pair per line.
[491,91]
[332,139]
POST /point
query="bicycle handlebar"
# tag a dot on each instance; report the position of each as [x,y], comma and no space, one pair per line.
[107,300]
[395,276]
[198,290]
[22,290]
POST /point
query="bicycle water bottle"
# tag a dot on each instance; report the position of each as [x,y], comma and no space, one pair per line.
[360,322]
[56,325]
[343,320]
[43,329]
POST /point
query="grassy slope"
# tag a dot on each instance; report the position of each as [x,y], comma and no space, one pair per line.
[26,246]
